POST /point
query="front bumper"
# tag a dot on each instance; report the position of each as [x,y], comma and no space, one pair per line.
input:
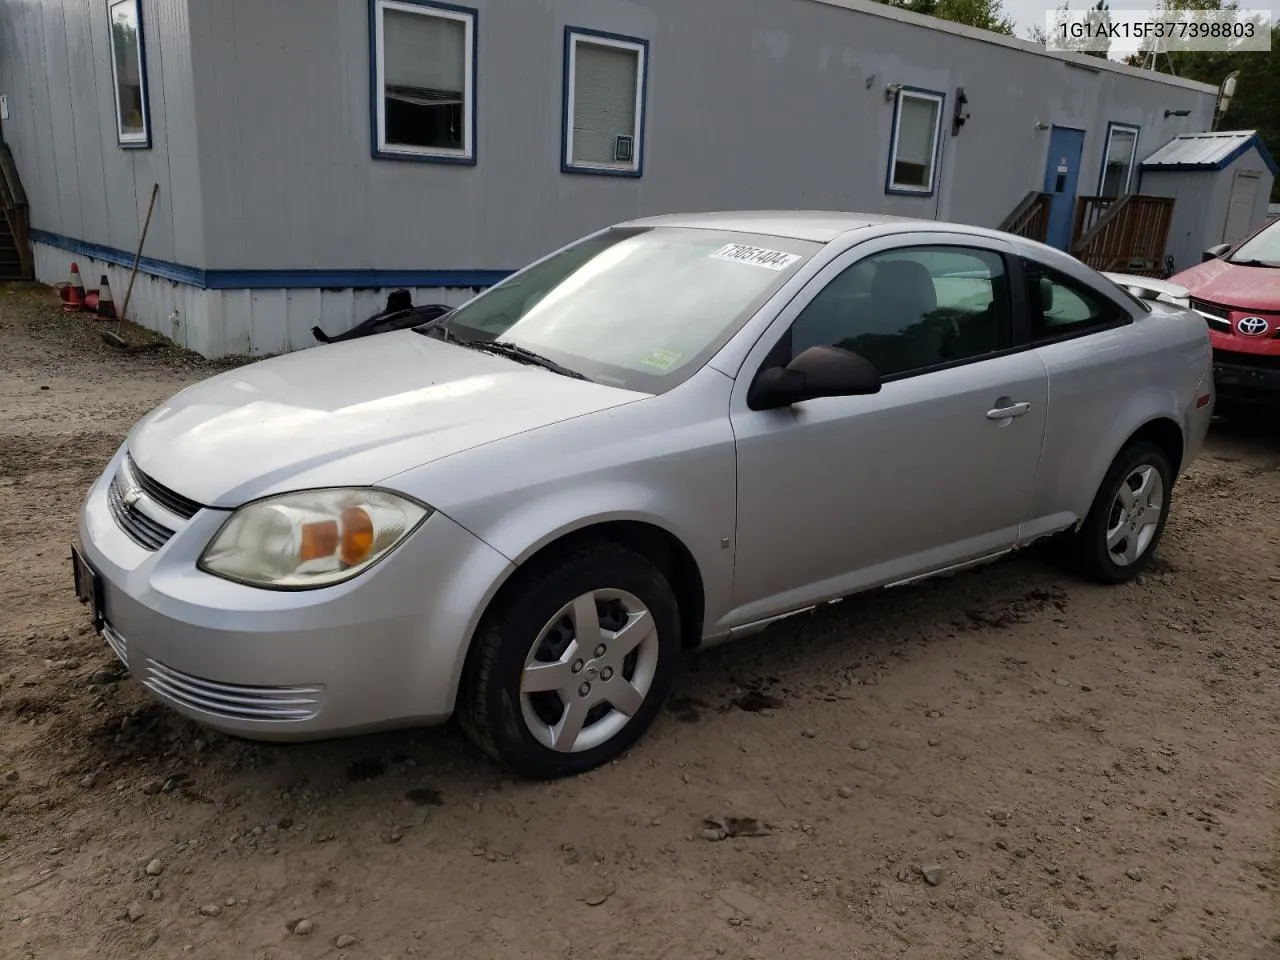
[1245,382]
[384,649]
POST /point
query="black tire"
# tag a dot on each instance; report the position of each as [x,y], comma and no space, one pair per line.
[490,708]
[1087,548]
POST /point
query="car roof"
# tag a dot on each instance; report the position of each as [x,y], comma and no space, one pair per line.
[818,226]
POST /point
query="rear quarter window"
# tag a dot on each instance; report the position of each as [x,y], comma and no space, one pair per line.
[1059,307]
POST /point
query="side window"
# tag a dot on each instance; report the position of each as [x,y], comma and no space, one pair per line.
[913,153]
[128,72]
[1060,307]
[423,61]
[604,103]
[912,308]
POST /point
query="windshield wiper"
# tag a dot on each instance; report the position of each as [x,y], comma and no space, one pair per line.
[439,326]
[522,355]
[1253,263]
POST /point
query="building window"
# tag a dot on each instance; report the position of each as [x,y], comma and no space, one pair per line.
[424,71]
[1118,160]
[129,74]
[604,100]
[913,155]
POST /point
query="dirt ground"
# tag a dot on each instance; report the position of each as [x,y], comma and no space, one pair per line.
[1006,763]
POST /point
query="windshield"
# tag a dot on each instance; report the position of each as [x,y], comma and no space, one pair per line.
[1264,248]
[641,308]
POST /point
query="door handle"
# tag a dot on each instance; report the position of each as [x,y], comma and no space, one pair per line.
[1012,410]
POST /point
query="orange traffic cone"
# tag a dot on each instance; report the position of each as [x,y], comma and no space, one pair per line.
[106,306]
[74,302]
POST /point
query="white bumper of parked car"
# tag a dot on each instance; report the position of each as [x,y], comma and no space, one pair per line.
[383,649]
[1149,288]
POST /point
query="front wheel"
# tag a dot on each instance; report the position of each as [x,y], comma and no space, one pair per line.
[1119,536]
[572,666]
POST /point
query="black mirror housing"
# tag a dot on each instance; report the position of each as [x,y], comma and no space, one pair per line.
[1044,292]
[820,371]
[1215,252]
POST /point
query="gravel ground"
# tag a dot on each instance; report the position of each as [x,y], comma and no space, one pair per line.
[1004,763]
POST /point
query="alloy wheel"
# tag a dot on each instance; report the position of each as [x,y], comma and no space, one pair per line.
[1135,515]
[589,671]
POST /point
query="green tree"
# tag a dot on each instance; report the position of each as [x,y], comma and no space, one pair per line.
[1099,16]
[1096,16]
[1256,104]
[983,14]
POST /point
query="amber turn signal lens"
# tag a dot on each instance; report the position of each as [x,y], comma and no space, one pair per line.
[357,535]
[319,540]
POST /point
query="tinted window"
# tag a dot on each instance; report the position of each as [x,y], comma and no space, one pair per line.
[912,308]
[1059,307]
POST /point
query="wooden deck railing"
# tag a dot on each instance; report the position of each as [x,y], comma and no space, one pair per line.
[1030,218]
[1124,235]
[13,206]
[1089,210]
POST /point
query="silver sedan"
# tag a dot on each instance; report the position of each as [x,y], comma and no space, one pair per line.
[666,435]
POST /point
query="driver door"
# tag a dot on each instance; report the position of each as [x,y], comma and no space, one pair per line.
[839,494]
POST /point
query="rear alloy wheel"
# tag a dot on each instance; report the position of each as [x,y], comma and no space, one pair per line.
[1124,526]
[573,666]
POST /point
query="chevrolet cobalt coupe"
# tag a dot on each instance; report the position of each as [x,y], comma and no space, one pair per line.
[665,435]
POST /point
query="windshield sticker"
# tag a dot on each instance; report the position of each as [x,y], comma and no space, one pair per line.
[662,359]
[756,256]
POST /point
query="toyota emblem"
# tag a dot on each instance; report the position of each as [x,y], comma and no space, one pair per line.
[132,496]
[1252,326]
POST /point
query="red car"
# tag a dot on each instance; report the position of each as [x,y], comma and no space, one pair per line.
[1237,290]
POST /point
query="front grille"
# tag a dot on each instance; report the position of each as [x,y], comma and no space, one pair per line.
[1213,314]
[1260,361]
[139,528]
[117,643]
[175,503]
[233,701]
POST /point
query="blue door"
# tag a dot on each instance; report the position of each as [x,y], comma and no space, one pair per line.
[1061,175]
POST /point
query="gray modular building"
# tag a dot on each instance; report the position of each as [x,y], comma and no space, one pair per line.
[312,154]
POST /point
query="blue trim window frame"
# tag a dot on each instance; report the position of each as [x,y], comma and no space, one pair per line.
[1131,164]
[624,165]
[891,183]
[133,119]
[468,17]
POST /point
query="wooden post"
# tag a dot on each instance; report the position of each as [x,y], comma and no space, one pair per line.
[155,189]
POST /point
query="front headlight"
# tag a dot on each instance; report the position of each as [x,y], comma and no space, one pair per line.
[314,538]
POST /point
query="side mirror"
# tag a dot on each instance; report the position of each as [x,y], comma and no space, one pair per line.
[1213,253]
[1045,293]
[818,372]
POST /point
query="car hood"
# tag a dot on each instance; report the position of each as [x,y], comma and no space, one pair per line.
[352,413]
[1248,288]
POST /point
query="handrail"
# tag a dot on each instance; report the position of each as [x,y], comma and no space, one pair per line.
[1110,214]
[13,201]
[9,178]
[1130,235]
[1030,218]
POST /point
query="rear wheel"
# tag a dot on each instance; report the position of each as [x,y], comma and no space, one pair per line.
[572,666]
[1120,535]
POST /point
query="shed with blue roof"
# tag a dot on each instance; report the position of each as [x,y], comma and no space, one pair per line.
[1222,182]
